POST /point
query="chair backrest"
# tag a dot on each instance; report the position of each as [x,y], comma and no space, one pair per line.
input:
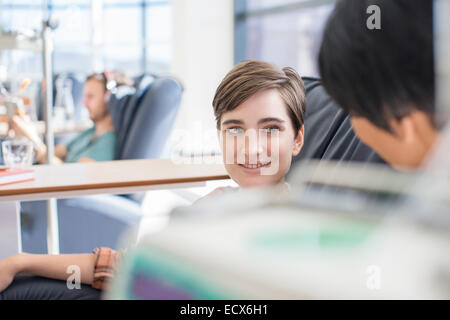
[328,131]
[118,103]
[143,117]
[146,126]
[129,107]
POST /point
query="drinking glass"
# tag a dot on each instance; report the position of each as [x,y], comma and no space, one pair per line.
[17,153]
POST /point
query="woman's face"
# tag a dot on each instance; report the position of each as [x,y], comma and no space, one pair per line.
[258,140]
[95,99]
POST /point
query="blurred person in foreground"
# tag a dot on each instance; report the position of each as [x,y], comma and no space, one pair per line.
[384,78]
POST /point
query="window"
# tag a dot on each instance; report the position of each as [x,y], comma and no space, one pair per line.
[71,38]
[132,36]
[137,36]
[159,37]
[19,16]
[283,32]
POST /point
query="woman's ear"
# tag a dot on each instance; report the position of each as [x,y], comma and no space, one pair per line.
[298,142]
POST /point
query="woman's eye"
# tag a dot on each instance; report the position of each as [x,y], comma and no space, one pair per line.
[272,129]
[234,130]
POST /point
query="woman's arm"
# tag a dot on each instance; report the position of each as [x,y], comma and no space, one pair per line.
[49,266]
[55,266]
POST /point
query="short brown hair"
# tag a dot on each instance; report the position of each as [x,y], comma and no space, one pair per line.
[249,77]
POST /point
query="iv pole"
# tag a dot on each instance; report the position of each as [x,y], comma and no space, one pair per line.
[52,214]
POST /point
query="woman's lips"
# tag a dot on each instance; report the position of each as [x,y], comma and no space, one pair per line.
[253,168]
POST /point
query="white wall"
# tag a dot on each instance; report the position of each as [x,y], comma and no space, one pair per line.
[202,54]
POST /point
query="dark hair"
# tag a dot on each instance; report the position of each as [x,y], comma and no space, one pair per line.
[249,77]
[382,73]
[111,79]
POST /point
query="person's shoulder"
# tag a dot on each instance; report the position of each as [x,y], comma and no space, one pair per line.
[86,133]
[82,136]
[107,136]
[110,134]
[89,130]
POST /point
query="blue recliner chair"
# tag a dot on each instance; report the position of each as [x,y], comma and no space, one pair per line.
[328,130]
[143,118]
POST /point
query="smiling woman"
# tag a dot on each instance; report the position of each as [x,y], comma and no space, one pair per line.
[259,111]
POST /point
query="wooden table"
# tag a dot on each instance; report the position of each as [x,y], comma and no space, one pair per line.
[79,179]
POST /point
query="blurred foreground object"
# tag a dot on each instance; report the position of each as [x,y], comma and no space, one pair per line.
[327,239]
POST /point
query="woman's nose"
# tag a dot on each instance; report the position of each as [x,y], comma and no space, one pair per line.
[252,148]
